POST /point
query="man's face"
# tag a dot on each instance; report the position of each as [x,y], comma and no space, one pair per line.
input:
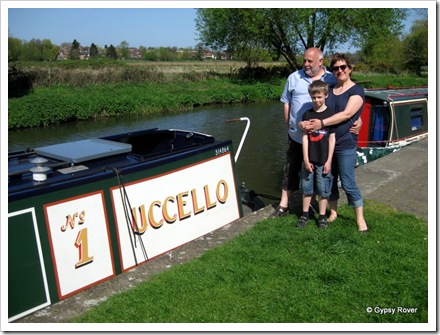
[312,64]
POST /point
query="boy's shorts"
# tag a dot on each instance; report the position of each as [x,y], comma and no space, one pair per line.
[316,182]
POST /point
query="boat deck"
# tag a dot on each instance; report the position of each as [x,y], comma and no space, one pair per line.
[97,158]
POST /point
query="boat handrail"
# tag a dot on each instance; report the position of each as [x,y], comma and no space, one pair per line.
[243,137]
[415,95]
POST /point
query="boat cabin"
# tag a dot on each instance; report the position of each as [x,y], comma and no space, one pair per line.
[394,116]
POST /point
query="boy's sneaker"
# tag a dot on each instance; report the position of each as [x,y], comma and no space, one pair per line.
[322,223]
[302,221]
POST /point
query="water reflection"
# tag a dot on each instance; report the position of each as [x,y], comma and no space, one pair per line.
[261,158]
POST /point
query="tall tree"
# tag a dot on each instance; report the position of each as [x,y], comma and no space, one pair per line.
[124,52]
[74,50]
[288,32]
[49,51]
[94,53]
[15,48]
[383,54]
[415,46]
[111,52]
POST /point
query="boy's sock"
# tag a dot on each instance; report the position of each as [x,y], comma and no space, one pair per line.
[306,214]
[322,217]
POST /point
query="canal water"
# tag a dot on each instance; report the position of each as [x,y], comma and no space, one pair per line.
[261,158]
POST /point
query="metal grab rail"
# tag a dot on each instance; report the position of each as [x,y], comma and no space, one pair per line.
[243,137]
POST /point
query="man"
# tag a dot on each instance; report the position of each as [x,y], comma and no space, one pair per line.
[296,100]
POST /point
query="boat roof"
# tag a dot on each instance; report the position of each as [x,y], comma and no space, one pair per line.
[44,169]
[397,93]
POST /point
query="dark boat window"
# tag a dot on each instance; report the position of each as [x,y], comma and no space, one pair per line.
[416,119]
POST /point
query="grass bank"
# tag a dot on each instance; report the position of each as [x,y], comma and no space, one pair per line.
[68,92]
[56,104]
[276,273]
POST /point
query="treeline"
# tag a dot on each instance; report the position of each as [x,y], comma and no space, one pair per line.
[45,50]
[34,50]
[376,33]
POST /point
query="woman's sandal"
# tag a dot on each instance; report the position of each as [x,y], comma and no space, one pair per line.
[281,211]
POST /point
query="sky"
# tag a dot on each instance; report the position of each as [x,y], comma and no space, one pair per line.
[148,27]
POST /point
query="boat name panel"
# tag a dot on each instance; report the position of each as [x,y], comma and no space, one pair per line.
[172,209]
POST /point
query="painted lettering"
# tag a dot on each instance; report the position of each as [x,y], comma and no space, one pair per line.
[81,217]
[71,218]
[165,211]
[222,185]
[151,218]
[178,207]
[196,208]
[209,204]
[181,203]
[139,226]
[83,248]
[221,151]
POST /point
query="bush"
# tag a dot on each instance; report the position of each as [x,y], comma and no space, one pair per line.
[20,82]
[259,73]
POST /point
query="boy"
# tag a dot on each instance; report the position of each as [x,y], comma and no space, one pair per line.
[318,148]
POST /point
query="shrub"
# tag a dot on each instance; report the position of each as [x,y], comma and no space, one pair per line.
[20,82]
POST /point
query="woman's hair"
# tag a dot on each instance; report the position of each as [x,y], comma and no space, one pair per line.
[340,57]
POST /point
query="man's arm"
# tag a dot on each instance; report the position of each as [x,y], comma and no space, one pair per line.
[286,111]
[356,127]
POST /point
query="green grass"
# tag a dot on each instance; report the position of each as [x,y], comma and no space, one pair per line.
[56,104]
[72,91]
[276,273]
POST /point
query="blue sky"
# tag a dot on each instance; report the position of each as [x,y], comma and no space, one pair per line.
[155,27]
[148,27]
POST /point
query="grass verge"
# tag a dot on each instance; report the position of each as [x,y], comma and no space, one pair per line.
[276,273]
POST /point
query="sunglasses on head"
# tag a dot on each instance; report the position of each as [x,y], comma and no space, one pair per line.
[342,67]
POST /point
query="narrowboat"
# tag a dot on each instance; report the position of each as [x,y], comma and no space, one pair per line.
[82,212]
[392,118]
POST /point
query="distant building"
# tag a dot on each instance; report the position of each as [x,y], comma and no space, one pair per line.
[134,53]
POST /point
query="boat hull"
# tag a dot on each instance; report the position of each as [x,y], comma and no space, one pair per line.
[67,235]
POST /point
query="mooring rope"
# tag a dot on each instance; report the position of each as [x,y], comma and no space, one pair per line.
[128,218]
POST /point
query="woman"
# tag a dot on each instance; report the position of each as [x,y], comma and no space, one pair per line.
[346,99]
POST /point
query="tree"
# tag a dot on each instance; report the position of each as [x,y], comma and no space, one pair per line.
[165,54]
[74,51]
[123,50]
[415,46]
[288,32]
[49,51]
[15,48]
[199,51]
[384,55]
[94,53]
[110,52]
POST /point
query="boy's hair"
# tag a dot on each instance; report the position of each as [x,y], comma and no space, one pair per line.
[318,86]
